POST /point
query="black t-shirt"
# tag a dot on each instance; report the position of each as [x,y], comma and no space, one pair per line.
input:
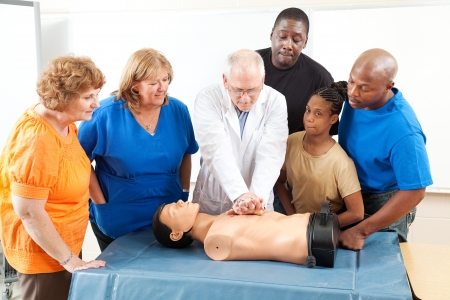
[297,84]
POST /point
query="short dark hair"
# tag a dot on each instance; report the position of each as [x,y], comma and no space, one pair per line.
[336,93]
[162,232]
[293,13]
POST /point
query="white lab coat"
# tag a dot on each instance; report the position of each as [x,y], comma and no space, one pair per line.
[233,166]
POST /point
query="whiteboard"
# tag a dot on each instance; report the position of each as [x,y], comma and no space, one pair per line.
[196,43]
[418,38]
[20,60]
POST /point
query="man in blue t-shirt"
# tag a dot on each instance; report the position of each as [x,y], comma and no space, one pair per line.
[380,132]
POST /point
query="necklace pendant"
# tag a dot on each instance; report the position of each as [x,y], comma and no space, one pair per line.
[148,127]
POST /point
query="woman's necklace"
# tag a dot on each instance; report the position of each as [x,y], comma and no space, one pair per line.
[148,127]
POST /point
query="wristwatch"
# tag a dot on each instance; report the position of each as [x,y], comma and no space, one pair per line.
[185,191]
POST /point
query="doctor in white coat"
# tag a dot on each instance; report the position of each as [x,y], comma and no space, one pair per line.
[241,128]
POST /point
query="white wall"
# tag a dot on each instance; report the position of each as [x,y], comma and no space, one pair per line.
[109,31]
[74,6]
[432,223]
[20,61]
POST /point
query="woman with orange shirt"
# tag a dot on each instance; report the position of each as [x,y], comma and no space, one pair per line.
[44,181]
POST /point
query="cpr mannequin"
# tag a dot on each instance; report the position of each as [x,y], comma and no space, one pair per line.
[266,236]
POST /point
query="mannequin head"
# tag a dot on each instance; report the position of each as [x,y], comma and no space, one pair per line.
[173,222]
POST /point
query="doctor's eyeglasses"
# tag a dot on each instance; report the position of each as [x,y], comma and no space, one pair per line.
[239,93]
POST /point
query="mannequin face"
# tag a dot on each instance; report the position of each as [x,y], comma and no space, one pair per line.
[179,216]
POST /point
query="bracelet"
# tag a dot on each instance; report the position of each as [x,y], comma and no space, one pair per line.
[67,260]
[185,191]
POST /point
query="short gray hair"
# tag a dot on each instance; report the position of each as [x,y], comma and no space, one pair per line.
[243,60]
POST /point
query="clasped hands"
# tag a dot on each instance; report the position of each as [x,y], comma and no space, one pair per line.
[247,204]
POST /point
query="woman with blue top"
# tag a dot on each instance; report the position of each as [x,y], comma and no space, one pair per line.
[141,141]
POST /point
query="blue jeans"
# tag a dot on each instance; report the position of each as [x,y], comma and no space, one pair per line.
[374,202]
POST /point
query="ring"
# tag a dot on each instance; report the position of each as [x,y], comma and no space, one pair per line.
[239,201]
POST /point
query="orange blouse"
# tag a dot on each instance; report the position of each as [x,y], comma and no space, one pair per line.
[38,163]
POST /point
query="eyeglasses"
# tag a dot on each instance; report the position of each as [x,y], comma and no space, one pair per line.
[240,93]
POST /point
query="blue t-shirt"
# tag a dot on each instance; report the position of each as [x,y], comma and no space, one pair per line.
[136,171]
[387,146]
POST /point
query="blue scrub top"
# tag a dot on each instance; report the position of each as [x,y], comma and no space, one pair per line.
[136,171]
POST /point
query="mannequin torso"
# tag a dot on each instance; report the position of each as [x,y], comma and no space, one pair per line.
[272,236]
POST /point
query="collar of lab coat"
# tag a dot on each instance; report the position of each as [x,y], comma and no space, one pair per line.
[254,119]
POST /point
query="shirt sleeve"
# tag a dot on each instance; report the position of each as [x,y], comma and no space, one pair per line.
[215,143]
[271,150]
[409,160]
[347,177]
[34,161]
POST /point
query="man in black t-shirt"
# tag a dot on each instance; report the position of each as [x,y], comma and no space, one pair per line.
[291,72]
[288,70]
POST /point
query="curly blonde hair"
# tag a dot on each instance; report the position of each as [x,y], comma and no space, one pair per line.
[65,78]
[142,64]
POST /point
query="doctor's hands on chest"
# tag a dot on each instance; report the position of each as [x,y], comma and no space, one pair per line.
[247,204]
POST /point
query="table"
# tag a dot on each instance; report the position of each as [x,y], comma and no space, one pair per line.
[428,268]
[138,267]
